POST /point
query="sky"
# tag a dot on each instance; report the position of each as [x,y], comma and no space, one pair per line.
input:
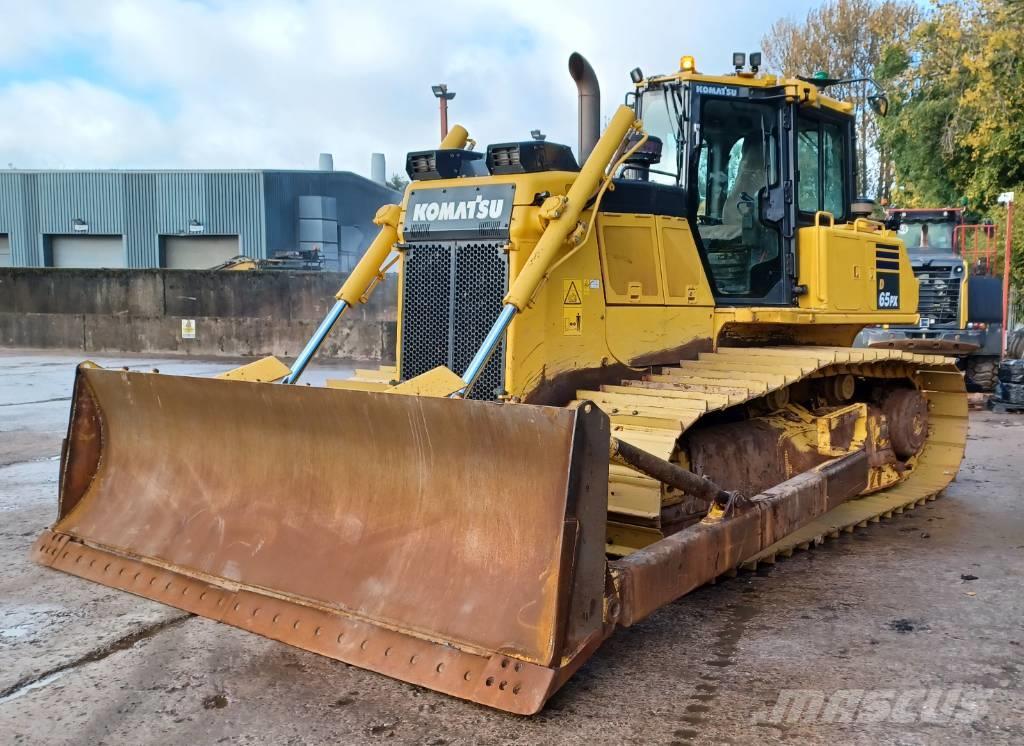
[230,84]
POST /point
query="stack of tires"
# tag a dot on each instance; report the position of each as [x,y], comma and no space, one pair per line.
[1009,390]
[981,372]
[1015,344]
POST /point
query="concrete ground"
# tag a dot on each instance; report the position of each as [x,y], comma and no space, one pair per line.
[907,632]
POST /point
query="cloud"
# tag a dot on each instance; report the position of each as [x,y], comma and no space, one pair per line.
[170,83]
[75,124]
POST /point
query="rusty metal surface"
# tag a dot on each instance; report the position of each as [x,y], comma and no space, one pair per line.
[626,454]
[906,411]
[936,346]
[80,453]
[748,456]
[458,523]
[662,572]
[841,426]
[494,680]
[878,444]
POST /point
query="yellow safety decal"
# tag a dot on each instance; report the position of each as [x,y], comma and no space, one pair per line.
[572,322]
[571,293]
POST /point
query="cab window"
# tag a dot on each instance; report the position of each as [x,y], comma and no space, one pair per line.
[661,113]
[932,234]
[736,165]
[820,154]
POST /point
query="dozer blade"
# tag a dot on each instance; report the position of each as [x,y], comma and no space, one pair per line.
[453,544]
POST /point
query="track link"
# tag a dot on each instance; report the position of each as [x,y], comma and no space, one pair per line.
[654,412]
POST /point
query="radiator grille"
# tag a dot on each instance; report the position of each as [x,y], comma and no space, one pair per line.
[939,294]
[451,296]
[425,308]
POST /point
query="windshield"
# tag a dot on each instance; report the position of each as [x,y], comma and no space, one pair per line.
[660,110]
[932,234]
[738,160]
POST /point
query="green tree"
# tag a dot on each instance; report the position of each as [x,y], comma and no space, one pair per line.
[957,89]
[847,38]
[926,77]
[397,182]
[954,75]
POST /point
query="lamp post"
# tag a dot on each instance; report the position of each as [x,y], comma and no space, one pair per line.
[1006,198]
[443,96]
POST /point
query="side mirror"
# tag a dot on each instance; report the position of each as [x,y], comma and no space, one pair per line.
[879,104]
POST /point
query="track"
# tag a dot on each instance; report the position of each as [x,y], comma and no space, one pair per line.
[654,412]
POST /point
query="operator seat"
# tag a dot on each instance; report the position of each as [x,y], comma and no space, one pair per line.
[749,180]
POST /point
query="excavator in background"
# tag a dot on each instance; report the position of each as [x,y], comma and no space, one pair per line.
[305,260]
[615,382]
[961,312]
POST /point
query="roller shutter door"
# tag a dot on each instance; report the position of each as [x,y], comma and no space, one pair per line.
[197,252]
[5,251]
[86,251]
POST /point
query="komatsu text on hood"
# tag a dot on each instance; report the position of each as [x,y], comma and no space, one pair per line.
[459,212]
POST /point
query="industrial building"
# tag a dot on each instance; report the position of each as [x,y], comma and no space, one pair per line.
[186,219]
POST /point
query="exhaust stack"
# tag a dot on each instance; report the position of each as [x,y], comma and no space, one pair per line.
[377,169]
[589,104]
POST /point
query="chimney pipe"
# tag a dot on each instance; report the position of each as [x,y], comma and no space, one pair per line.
[326,162]
[377,168]
[589,104]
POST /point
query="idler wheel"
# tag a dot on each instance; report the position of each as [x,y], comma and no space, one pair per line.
[907,413]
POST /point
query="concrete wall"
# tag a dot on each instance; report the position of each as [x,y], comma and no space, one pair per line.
[236,313]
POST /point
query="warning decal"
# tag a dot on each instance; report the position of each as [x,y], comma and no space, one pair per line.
[572,322]
[188,328]
[571,293]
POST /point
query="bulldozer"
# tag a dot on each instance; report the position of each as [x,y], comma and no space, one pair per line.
[615,382]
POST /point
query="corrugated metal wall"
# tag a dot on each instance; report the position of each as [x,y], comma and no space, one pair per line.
[139,205]
[17,219]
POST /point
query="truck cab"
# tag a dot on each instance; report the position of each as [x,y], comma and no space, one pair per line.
[955,317]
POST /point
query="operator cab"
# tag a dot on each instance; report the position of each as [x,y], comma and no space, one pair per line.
[928,231]
[750,161]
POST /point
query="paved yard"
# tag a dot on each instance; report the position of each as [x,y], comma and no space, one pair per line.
[908,632]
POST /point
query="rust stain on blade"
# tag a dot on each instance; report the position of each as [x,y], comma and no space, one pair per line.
[495,680]
[453,523]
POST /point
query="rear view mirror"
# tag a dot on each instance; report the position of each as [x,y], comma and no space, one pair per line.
[879,104]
